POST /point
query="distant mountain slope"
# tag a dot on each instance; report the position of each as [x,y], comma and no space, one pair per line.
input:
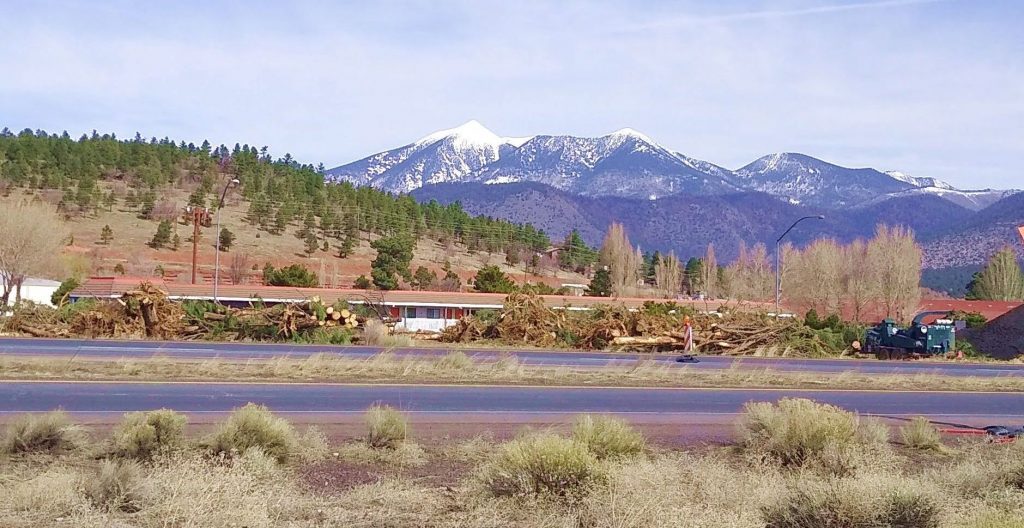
[625,163]
[687,223]
[630,164]
[811,181]
[972,241]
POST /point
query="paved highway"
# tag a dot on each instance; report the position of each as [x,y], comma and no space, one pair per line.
[207,350]
[503,402]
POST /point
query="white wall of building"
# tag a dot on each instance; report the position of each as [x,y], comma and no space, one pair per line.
[36,290]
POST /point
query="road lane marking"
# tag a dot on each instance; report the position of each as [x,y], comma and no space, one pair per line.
[481,386]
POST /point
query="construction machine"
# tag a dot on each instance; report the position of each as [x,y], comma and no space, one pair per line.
[889,341]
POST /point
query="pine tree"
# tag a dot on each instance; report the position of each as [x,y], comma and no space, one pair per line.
[227,238]
[162,235]
[601,284]
[106,235]
[176,242]
[312,244]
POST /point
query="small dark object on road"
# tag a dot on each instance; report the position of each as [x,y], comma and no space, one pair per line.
[1005,431]
[687,358]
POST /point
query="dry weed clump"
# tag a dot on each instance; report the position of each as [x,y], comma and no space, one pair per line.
[387,428]
[50,432]
[608,437]
[874,501]
[800,433]
[144,434]
[376,333]
[117,486]
[921,434]
[542,464]
[456,360]
[255,426]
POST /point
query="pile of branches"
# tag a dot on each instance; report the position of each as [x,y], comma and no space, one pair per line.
[146,312]
[654,327]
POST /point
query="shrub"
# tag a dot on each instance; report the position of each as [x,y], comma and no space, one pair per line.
[455,360]
[542,464]
[59,295]
[375,333]
[145,434]
[921,434]
[800,432]
[116,486]
[386,427]
[608,437]
[840,505]
[255,426]
[50,432]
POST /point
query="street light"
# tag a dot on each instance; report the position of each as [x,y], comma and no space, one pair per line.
[778,276]
[220,205]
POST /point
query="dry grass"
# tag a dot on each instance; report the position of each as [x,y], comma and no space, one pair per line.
[389,368]
[375,333]
[386,428]
[608,437]
[254,426]
[542,464]
[526,484]
[800,433]
[50,432]
[921,434]
[144,434]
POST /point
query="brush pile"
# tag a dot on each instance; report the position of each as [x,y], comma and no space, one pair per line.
[655,327]
[146,312]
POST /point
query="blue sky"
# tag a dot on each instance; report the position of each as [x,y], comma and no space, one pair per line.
[931,88]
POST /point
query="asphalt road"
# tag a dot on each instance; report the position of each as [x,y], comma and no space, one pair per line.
[504,403]
[208,350]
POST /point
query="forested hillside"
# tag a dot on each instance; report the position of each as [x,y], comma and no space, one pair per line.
[281,191]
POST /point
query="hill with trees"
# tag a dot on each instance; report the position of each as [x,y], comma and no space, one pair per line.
[139,188]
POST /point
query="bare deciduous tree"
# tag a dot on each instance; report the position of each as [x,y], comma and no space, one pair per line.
[621,259]
[895,259]
[32,237]
[238,268]
[668,274]
[1001,279]
[709,272]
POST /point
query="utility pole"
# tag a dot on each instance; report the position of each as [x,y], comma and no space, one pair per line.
[198,215]
[778,276]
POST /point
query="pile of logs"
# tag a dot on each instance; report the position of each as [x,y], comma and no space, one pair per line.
[655,327]
[146,312]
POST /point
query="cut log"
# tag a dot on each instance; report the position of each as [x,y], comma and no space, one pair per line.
[212,316]
[346,313]
[647,341]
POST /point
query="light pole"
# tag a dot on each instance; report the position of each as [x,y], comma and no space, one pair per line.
[778,269]
[220,205]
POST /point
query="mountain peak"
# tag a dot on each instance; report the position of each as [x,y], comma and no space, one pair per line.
[471,132]
[629,132]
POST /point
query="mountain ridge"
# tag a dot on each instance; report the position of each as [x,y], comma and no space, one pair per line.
[629,164]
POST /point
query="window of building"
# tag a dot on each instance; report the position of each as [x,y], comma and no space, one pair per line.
[410,312]
[433,313]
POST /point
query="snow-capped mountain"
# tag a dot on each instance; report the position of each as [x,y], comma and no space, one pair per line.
[803,179]
[630,164]
[624,163]
[975,200]
[444,156]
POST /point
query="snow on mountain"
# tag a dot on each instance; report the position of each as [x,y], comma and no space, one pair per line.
[975,200]
[815,182]
[624,163]
[628,163]
[444,156]
[919,182]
